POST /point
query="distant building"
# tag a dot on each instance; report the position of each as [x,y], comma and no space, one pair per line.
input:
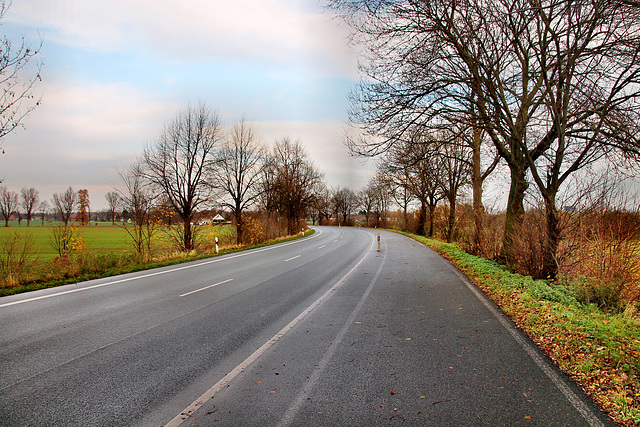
[218,219]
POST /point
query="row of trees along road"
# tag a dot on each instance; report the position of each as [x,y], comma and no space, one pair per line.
[550,87]
[196,164]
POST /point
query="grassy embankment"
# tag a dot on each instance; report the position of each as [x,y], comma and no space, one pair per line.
[107,252]
[600,351]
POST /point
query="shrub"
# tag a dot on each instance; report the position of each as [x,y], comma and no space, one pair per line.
[604,268]
[15,259]
[66,240]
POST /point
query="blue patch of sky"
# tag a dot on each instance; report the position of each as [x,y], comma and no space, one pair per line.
[259,90]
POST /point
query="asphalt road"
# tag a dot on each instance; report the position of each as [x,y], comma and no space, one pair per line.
[324,330]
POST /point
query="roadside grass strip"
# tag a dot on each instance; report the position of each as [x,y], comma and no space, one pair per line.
[599,351]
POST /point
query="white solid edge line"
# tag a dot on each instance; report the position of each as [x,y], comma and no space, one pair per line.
[206,287]
[241,254]
[209,394]
[575,401]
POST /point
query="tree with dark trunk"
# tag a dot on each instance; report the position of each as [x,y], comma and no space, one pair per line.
[30,198]
[294,180]
[367,198]
[454,166]
[63,205]
[239,170]
[554,85]
[180,162]
[138,199]
[344,202]
[8,203]
[113,200]
[43,207]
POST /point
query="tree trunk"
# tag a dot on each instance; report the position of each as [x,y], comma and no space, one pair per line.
[188,237]
[476,181]
[452,220]
[552,241]
[432,214]
[422,219]
[515,207]
[239,227]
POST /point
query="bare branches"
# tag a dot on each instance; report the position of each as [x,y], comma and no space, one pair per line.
[554,85]
[29,200]
[238,171]
[138,198]
[63,205]
[291,180]
[17,97]
[179,162]
[8,203]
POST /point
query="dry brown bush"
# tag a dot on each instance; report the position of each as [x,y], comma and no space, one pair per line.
[528,240]
[15,257]
[606,257]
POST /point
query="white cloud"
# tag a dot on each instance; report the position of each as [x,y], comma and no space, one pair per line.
[274,30]
[79,135]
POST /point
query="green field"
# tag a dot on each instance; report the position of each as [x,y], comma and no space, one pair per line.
[101,237]
[107,251]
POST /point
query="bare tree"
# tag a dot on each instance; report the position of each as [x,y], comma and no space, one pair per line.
[238,172]
[16,93]
[43,207]
[395,168]
[294,179]
[113,200]
[552,84]
[344,202]
[424,180]
[367,199]
[454,165]
[322,205]
[138,199]
[180,161]
[8,203]
[30,198]
[268,199]
[63,205]
[382,197]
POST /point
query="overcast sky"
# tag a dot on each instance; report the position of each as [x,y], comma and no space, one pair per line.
[116,71]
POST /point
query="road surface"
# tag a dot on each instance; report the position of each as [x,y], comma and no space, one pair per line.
[324,330]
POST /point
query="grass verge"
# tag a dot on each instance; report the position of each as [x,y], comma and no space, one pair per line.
[117,269]
[599,351]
